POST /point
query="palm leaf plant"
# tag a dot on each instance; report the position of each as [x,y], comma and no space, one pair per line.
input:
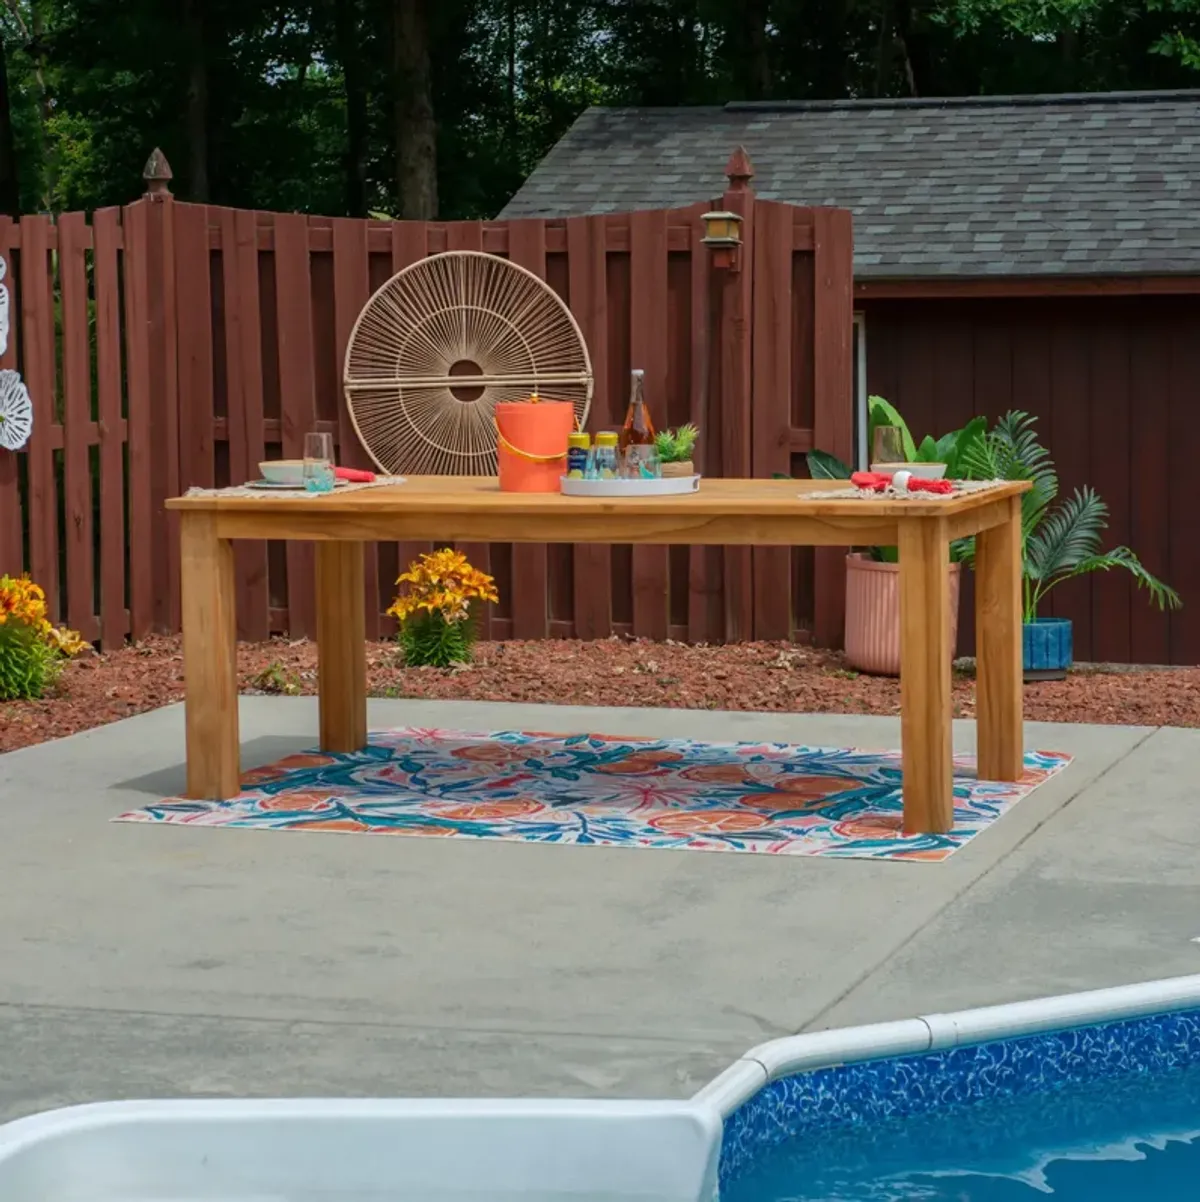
[1059,541]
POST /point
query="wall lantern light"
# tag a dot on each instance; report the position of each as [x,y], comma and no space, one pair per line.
[723,236]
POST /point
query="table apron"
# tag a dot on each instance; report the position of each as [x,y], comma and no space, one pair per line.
[691,530]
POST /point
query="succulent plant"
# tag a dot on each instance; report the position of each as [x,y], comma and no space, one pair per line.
[676,446]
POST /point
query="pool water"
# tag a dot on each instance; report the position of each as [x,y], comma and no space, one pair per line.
[1128,1139]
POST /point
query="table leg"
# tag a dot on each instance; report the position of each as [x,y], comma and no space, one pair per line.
[925,675]
[209,658]
[341,646]
[998,648]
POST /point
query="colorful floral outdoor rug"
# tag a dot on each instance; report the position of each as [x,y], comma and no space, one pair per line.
[544,788]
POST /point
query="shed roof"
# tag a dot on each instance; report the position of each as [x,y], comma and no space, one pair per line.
[1099,184]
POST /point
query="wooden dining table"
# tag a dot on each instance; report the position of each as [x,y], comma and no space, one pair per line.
[722,513]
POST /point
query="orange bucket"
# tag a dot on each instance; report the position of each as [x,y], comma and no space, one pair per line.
[532,444]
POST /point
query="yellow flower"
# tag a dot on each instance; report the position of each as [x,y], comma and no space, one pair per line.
[442,581]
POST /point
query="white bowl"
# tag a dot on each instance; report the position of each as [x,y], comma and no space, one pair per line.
[923,471]
[283,471]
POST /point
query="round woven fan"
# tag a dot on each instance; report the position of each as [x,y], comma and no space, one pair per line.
[440,344]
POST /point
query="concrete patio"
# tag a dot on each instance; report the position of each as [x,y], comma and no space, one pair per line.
[159,961]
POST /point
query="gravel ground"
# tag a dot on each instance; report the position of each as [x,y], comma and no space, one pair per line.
[747,676]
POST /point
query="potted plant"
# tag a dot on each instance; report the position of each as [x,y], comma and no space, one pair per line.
[675,448]
[1058,542]
[872,631]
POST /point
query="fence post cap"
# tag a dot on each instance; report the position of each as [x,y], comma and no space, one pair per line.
[739,170]
[158,174]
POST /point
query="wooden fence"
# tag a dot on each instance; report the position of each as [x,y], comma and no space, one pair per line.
[167,345]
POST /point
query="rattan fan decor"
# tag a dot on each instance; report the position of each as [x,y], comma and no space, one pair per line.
[440,344]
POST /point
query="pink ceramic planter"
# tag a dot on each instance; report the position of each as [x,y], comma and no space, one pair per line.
[873,614]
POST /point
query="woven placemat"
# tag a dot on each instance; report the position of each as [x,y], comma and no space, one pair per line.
[849,492]
[264,494]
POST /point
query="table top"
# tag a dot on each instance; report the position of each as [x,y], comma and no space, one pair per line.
[449,495]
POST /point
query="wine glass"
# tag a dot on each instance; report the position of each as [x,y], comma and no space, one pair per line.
[887,449]
[318,463]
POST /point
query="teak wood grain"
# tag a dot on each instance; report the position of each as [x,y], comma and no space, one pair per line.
[723,513]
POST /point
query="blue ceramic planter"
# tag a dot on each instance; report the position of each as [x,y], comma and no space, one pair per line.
[1048,645]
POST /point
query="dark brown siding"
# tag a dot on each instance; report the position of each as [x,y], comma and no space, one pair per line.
[1113,383]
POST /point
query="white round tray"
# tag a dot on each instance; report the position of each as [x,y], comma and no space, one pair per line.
[668,486]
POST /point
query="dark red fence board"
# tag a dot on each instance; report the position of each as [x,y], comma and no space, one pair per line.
[771,401]
[833,412]
[197,467]
[135,258]
[218,341]
[244,404]
[468,235]
[350,292]
[37,344]
[588,288]
[529,576]
[297,394]
[106,282]
[12,556]
[648,351]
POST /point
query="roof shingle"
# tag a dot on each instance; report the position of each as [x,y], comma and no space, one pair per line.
[1038,185]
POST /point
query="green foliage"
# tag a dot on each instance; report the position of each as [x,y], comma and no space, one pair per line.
[676,446]
[1059,541]
[94,86]
[956,450]
[427,639]
[824,466]
[275,678]
[28,665]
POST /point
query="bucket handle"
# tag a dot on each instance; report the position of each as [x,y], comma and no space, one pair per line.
[534,399]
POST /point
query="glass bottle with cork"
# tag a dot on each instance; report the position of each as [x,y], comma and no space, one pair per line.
[638,429]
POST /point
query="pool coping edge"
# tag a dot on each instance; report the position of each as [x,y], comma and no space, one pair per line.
[778,1058]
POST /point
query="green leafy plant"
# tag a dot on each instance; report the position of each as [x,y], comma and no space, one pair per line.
[957,450]
[437,627]
[1058,542]
[32,650]
[28,665]
[429,640]
[676,446]
[275,678]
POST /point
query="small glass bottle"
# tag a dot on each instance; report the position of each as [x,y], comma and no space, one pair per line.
[578,449]
[638,429]
[605,458]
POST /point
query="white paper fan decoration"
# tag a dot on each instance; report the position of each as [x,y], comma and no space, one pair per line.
[16,411]
[3,308]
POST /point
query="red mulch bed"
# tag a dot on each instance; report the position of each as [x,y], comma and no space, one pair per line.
[747,676]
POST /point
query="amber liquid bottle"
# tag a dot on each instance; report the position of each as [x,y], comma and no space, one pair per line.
[638,429]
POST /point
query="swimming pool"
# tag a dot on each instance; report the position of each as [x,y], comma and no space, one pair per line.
[1093,1096]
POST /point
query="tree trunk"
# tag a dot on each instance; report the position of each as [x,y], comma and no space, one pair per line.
[10,184]
[346,31]
[754,67]
[196,103]
[414,127]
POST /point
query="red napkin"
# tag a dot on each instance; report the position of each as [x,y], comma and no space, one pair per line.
[878,481]
[354,474]
[875,481]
